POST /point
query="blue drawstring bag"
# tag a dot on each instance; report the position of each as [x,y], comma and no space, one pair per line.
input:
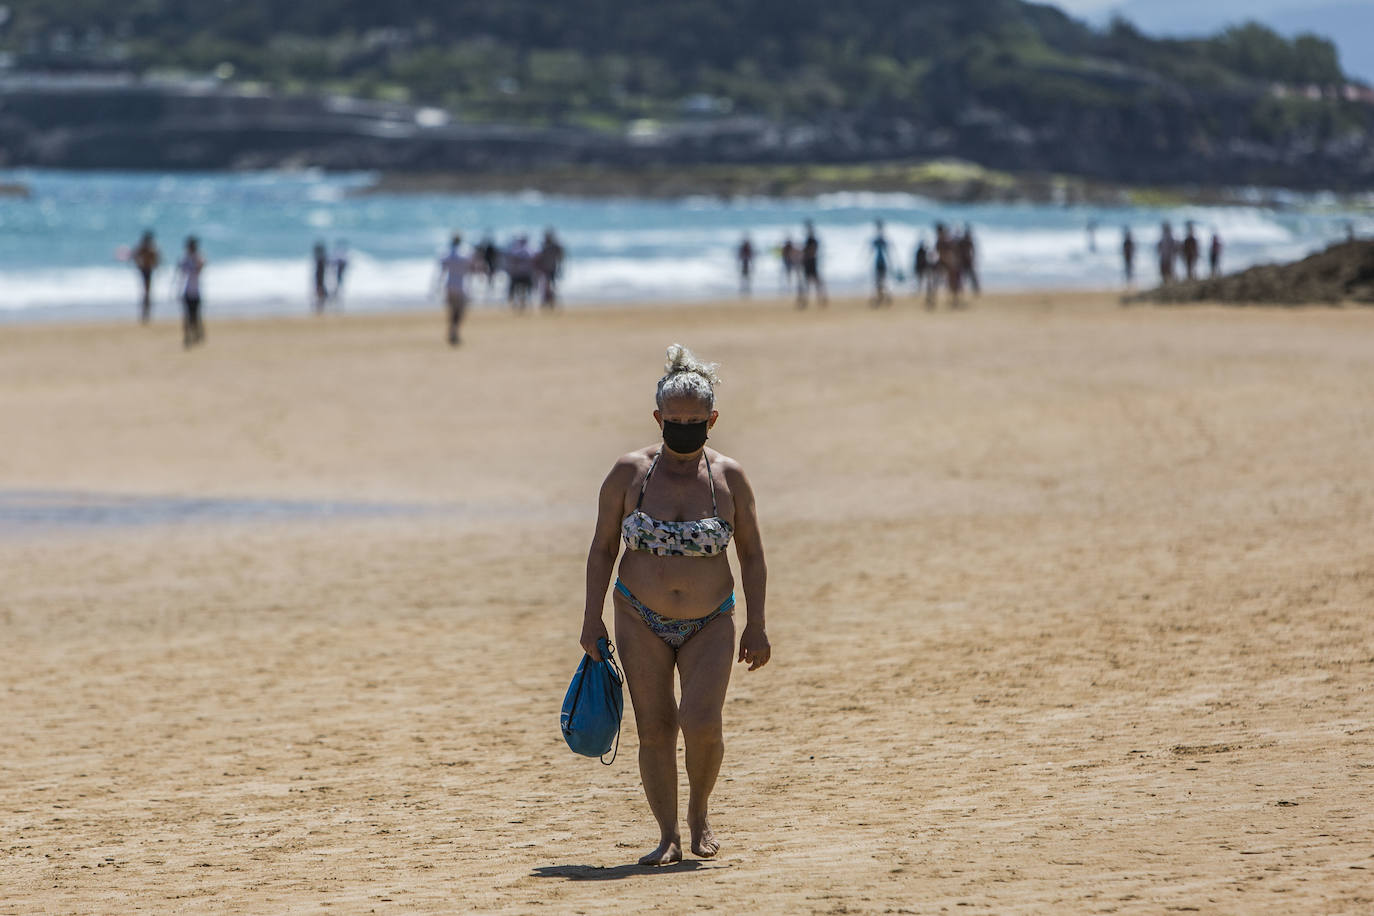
[593,704]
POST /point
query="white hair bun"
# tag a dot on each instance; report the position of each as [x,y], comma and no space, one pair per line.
[686,375]
[681,359]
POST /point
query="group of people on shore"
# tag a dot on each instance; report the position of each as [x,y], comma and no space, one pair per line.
[1171,251]
[527,270]
[950,262]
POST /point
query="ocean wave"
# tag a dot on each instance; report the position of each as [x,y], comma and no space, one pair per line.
[257,229]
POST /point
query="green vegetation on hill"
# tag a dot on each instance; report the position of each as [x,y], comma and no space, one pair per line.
[1016,87]
[605,61]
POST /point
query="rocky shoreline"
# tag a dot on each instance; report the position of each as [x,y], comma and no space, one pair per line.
[87,121]
[1343,273]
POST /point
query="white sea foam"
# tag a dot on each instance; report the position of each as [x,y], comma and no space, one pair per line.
[872,200]
[1008,258]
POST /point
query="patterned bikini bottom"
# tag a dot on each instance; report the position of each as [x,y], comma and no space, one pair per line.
[675,631]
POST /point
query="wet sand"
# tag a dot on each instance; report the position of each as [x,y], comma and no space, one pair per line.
[1069,606]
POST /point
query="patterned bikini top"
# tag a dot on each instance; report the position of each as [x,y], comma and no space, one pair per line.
[704,537]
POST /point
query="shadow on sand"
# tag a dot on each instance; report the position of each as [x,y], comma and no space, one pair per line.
[616,872]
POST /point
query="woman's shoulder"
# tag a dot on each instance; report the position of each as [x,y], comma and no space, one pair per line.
[725,464]
[632,463]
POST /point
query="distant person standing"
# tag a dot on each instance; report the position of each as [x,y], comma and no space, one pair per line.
[1128,254]
[937,265]
[1214,253]
[187,277]
[920,270]
[454,268]
[487,259]
[744,255]
[881,254]
[146,259]
[321,277]
[790,256]
[967,255]
[948,265]
[811,268]
[549,265]
[340,262]
[519,261]
[1166,252]
[1092,236]
[1192,251]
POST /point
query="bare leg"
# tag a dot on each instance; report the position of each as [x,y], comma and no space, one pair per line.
[703,665]
[648,664]
[455,318]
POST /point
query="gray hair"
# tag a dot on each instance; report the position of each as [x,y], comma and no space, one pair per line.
[687,376]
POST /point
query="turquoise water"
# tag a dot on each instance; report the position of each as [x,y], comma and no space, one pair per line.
[60,247]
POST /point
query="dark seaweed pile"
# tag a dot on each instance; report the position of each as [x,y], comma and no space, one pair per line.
[1341,273]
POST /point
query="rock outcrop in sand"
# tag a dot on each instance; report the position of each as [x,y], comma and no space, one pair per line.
[1341,273]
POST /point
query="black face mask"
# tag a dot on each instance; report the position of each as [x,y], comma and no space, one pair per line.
[684,438]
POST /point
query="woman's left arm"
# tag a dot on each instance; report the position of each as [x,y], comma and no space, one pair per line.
[753,644]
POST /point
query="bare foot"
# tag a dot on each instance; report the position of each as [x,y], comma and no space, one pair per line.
[704,842]
[668,852]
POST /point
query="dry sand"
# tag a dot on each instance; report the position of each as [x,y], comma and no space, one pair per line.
[1070,607]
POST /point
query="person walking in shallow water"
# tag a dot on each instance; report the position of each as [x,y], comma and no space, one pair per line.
[146,259]
[948,266]
[744,255]
[188,279]
[548,264]
[882,253]
[920,269]
[810,268]
[1128,254]
[339,261]
[487,259]
[790,261]
[968,259]
[1191,251]
[519,261]
[321,261]
[677,505]
[1167,249]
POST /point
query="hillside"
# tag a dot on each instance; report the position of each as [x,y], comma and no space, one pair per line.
[1008,84]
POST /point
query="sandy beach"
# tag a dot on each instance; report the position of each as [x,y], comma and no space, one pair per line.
[1069,602]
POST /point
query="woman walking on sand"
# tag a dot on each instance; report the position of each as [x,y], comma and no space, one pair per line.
[677,505]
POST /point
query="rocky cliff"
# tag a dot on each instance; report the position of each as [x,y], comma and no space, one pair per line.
[103,121]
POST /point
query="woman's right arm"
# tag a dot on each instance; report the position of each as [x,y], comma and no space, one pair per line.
[604,550]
